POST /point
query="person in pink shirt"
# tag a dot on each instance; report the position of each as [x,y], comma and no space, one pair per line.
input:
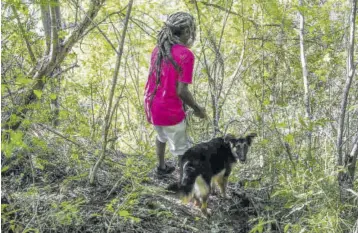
[166,90]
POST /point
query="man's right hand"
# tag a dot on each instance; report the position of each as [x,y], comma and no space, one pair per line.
[200,112]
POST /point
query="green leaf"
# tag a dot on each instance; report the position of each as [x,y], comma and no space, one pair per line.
[289,138]
[266,102]
[124,213]
[53,96]
[135,219]
[4,169]
[38,93]
[281,125]
[302,121]
[16,138]
[23,80]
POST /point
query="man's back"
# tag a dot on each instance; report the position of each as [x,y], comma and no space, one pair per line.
[162,103]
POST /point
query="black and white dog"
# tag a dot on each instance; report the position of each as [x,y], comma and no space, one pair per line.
[207,163]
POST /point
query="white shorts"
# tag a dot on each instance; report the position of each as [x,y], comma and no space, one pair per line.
[176,136]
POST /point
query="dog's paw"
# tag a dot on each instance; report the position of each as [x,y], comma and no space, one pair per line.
[206,213]
[226,196]
[214,191]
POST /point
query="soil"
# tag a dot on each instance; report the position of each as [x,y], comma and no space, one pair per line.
[61,200]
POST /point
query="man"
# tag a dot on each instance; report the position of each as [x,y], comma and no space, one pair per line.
[166,91]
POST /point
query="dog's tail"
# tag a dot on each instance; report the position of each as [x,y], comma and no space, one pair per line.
[185,186]
[183,191]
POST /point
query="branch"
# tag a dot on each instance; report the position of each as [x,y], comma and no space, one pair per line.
[23,33]
[99,29]
[95,6]
[65,70]
[235,75]
[136,23]
[102,20]
[63,136]
[238,14]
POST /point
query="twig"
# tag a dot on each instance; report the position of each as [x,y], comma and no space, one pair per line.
[33,217]
[99,29]
[62,136]
[114,187]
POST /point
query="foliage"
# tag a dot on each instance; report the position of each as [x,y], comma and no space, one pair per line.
[248,76]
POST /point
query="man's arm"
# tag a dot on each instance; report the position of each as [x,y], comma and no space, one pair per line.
[188,99]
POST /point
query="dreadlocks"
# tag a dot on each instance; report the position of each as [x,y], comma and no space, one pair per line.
[169,35]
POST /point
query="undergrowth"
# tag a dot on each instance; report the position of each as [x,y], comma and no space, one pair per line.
[45,189]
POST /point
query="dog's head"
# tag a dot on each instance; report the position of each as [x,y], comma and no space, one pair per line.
[239,146]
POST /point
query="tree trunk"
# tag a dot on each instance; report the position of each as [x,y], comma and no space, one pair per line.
[45,17]
[56,81]
[305,84]
[345,178]
[108,117]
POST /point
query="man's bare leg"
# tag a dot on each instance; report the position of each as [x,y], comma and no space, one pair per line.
[160,153]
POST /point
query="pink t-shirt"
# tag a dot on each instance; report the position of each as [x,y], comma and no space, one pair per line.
[166,108]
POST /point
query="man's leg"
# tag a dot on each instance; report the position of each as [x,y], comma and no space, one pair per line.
[160,142]
[178,143]
[160,153]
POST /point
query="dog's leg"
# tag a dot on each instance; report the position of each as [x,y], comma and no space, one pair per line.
[220,182]
[212,185]
[224,185]
[204,205]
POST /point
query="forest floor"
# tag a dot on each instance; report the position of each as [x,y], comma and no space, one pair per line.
[127,197]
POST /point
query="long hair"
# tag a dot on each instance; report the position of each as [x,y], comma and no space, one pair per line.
[168,36]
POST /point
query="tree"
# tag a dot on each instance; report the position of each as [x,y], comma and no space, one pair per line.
[110,111]
[349,160]
[305,81]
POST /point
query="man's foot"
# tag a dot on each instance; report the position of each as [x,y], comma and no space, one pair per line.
[166,171]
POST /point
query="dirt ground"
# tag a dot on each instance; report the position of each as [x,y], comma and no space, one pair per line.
[59,199]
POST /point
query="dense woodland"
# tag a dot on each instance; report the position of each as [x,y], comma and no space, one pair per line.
[78,154]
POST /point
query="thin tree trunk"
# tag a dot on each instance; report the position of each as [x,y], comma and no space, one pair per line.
[352,159]
[56,81]
[305,83]
[345,179]
[108,117]
[45,17]
[350,74]
[24,35]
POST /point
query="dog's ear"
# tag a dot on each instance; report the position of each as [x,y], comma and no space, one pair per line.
[249,138]
[228,138]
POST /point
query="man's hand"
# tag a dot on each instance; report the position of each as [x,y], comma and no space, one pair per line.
[186,96]
[200,112]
